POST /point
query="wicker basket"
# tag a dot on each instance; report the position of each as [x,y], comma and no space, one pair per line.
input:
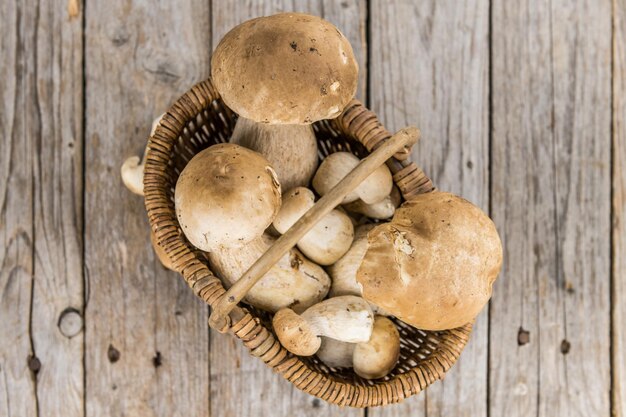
[200,119]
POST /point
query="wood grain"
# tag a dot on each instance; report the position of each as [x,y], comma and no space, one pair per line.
[57,166]
[19,122]
[618,301]
[550,185]
[242,385]
[430,67]
[146,333]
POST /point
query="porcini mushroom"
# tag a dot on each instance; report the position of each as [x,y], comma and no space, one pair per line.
[372,359]
[384,209]
[328,240]
[281,73]
[347,318]
[293,282]
[133,167]
[379,355]
[225,197]
[337,165]
[434,264]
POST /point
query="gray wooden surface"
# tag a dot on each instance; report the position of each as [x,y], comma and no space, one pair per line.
[522,107]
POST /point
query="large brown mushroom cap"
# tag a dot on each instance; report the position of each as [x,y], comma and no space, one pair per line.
[289,68]
[434,264]
[226,196]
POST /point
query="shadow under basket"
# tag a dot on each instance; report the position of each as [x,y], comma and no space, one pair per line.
[200,119]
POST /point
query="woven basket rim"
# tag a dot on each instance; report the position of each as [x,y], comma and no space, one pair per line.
[356,122]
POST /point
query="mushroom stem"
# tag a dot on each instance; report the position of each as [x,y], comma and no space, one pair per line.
[293,282]
[348,318]
[290,149]
[133,167]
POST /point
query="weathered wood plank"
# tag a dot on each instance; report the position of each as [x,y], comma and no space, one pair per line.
[619,209]
[429,67]
[20,127]
[57,166]
[146,333]
[550,193]
[242,385]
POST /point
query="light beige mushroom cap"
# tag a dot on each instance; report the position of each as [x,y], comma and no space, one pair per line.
[331,236]
[434,264]
[337,165]
[295,333]
[226,196]
[379,355]
[288,68]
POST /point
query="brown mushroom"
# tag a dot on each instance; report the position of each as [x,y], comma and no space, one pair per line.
[226,197]
[434,264]
[281,73]
[347,318]
[372,359]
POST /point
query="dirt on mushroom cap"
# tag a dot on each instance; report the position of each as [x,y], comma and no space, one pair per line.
[288,68]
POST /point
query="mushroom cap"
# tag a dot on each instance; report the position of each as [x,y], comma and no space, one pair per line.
[331,236]
[337,165]
[295,333]
[379,355]
[226,196]
[434,264]
[288,68]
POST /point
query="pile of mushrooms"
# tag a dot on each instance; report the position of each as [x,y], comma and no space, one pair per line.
[430,261]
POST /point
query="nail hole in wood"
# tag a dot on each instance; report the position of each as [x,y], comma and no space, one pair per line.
[565,346]
[33,363]
[113,354]
[523,337]
[156,360]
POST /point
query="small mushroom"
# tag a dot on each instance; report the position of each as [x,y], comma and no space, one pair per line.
[293,282]
[434,264]
[226,197]
[372,359]
[328,240]
[281,73]
[133,167]
[382,210]
[379,355]
[347,318]
[337,165]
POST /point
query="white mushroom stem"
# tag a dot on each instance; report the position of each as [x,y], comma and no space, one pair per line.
[293,282]
[328,240]
[347,318]
[337,165]
[335,353]
[343,272]
[290,149]
[133,167]
[384,209]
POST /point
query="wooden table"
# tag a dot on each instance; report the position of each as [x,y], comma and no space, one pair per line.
[521,107]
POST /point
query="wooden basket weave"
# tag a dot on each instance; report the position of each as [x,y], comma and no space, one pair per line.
[200,119]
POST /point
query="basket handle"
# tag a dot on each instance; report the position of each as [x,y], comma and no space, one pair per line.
[404,138]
